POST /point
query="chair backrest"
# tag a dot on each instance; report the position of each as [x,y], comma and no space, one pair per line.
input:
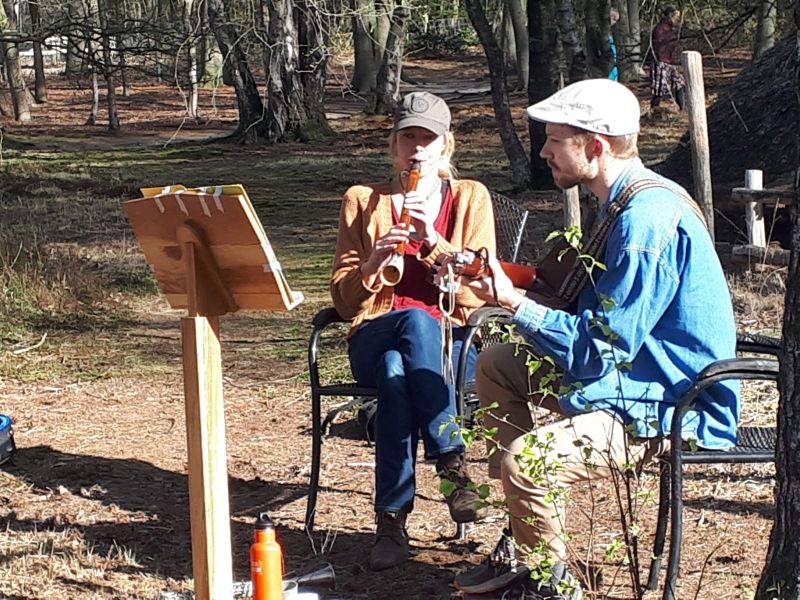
[509,225]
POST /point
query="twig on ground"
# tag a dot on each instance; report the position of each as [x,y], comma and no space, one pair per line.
[19,351]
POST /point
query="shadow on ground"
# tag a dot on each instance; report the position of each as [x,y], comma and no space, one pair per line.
[149,516]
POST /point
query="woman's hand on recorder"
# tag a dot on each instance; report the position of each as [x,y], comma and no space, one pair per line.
[385,246]
[423,216]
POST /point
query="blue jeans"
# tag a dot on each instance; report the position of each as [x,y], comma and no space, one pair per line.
[399,353]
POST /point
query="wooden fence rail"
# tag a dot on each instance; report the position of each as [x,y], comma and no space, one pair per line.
[753,196]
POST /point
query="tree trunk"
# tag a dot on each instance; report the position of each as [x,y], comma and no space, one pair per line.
[573,48]
[194,89]
[502,113]
[518,21]
[108,66]
[598,49]
[780,579]
[634,44]
[16,83]
[454,12]
[365,72]
[123,67]
[214,65]
[92,119]
[387,89]
[507,42]
[116,10]
[40,87]
[314,37]
[160,18]
[370,31]
[191,58]
[202,43]
[383,23]
[74,64]
[765,27]
[285,108]
[629,43]
[253,124]
[544,79]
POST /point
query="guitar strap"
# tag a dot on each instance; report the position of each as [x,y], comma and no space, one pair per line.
[568,279]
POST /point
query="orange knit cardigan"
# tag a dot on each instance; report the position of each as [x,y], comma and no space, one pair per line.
[366,215]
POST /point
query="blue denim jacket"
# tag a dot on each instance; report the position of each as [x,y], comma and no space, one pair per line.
[671,310]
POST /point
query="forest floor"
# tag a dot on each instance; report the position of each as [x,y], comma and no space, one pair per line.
[94,504]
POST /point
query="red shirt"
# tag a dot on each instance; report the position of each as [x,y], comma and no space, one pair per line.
[415,289]
[665,42]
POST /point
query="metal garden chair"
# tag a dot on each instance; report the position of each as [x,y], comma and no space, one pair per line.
[510,219]
[755,445]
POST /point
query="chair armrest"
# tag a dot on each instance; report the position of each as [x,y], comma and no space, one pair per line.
[731,368]
[480,316]
[327,316]
[761,344]
[740,368]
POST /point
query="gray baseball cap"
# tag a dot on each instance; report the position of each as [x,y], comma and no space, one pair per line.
[422,109]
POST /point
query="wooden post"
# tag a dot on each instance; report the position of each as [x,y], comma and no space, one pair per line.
[572,206]
[212,562]
[209,510]
[698,132]
[754,211]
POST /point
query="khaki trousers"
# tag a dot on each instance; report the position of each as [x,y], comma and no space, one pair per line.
[580,448]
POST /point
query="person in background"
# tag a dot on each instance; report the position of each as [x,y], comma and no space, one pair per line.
[614,74]
[666,80]
[395,341]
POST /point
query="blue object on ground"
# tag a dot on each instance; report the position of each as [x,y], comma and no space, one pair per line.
[7,446]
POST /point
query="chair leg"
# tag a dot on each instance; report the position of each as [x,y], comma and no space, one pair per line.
[661,525]
[461,531]
[316,450]
[676,530]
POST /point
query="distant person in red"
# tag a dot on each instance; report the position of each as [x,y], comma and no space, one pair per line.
[666,80]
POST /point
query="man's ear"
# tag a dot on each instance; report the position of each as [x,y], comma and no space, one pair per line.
[594,148]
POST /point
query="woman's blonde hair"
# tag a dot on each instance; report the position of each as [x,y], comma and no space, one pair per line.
[446,168]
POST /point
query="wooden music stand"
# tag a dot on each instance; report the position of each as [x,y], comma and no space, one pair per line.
[211,256]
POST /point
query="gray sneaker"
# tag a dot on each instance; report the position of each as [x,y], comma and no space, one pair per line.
[562,586]
[498,571]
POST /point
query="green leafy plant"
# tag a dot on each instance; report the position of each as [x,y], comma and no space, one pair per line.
[537,459]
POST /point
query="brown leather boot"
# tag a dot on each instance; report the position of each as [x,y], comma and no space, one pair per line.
[391,541]
[463,500]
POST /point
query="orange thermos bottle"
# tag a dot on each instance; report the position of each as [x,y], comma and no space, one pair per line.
[266,561]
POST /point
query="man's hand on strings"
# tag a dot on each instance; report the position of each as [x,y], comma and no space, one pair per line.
[495,281]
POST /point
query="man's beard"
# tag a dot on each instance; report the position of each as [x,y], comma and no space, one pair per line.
[580,173]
